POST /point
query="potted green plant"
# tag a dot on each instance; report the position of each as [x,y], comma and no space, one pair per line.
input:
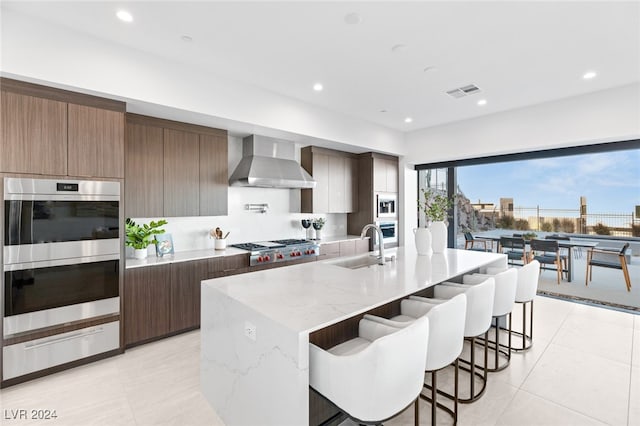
[435,206]
[140,236]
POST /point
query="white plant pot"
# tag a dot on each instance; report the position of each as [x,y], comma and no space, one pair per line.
[140,253]
[423,241]
[318,234]
[438,236]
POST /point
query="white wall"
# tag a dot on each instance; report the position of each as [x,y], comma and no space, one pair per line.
[605,116]
[39,51]
[281,221]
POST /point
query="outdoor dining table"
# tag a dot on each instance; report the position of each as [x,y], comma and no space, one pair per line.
[570,245]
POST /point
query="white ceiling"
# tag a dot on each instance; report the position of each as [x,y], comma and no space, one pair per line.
[518,53]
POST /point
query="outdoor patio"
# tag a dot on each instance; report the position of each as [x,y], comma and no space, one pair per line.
[607,287]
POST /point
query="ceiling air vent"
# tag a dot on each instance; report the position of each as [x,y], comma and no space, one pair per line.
[463,91]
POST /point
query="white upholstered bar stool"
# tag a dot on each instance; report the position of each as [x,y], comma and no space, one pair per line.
[526,291]
[477,323]
[375,376]
[503,301]
[446,340]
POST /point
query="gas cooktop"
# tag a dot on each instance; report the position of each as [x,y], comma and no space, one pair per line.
[264,252]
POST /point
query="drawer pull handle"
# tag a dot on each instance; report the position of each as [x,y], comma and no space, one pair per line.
[63,339]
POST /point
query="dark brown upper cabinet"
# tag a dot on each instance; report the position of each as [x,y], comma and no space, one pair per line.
[34,135]
[48,131]
[144,170]
[181,178]
[96,142]
[174,169]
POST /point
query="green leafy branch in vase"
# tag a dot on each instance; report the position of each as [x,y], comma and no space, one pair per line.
[140,236]
[435,205]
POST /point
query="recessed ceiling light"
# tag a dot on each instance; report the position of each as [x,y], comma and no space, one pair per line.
[124,16]
[589,75]
[399,48]
[482,102]
[186,38]
[352,18]
[318,87]
[408,120]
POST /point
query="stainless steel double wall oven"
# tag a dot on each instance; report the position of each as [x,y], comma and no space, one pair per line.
[61,266]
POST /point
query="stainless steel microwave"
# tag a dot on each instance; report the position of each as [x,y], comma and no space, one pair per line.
[386,205]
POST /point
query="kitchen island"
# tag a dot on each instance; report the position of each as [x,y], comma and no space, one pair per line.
[256,327]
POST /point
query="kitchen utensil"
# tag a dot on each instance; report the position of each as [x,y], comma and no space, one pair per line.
[218,232]
[226,235]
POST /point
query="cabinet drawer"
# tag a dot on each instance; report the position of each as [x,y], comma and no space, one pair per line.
[35,355]
[330,249]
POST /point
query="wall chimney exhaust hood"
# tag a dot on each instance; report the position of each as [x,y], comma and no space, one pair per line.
[269,163]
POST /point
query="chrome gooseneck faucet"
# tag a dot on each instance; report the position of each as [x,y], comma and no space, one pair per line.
[380,240]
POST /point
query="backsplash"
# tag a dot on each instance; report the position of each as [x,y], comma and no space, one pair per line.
[192,233]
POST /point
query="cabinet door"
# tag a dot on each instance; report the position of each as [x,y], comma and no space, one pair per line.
[362,246]
[236,264]
[351,185]
[379,175]
[185,293]
[336,185]
[34,135]
[143,188]
[321,191]
[347,248]
[214,176]
[96,142]
[147,296]
[329,251]
[181,173]
[392,176]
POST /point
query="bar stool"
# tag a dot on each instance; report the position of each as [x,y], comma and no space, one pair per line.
[446,340]
[375,376]
[526,291]
[503,301]
[477,322]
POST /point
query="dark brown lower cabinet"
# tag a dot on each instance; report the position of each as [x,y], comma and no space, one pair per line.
[147,303]
[165,299]
[185,293]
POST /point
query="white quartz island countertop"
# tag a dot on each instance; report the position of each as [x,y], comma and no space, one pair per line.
[255,327]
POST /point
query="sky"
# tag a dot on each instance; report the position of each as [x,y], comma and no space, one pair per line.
[610,181]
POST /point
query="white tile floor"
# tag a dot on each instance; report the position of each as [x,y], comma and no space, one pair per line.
[584,369]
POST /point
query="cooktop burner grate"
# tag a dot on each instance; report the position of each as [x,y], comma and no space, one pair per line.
[291,242]
[249,246]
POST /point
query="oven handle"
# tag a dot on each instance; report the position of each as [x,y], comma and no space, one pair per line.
[79,335]
[60,262]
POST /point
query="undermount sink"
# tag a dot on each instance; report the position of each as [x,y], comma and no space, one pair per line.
[356,262]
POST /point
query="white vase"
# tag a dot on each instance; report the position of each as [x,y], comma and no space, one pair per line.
[423,241]
[140,253]
[438,236]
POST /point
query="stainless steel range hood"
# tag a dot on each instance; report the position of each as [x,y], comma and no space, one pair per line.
[269,163]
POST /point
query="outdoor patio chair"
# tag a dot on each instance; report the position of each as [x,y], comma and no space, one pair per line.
[547,252]
[514,248]
[608,258]
[470,240]
[557,237]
